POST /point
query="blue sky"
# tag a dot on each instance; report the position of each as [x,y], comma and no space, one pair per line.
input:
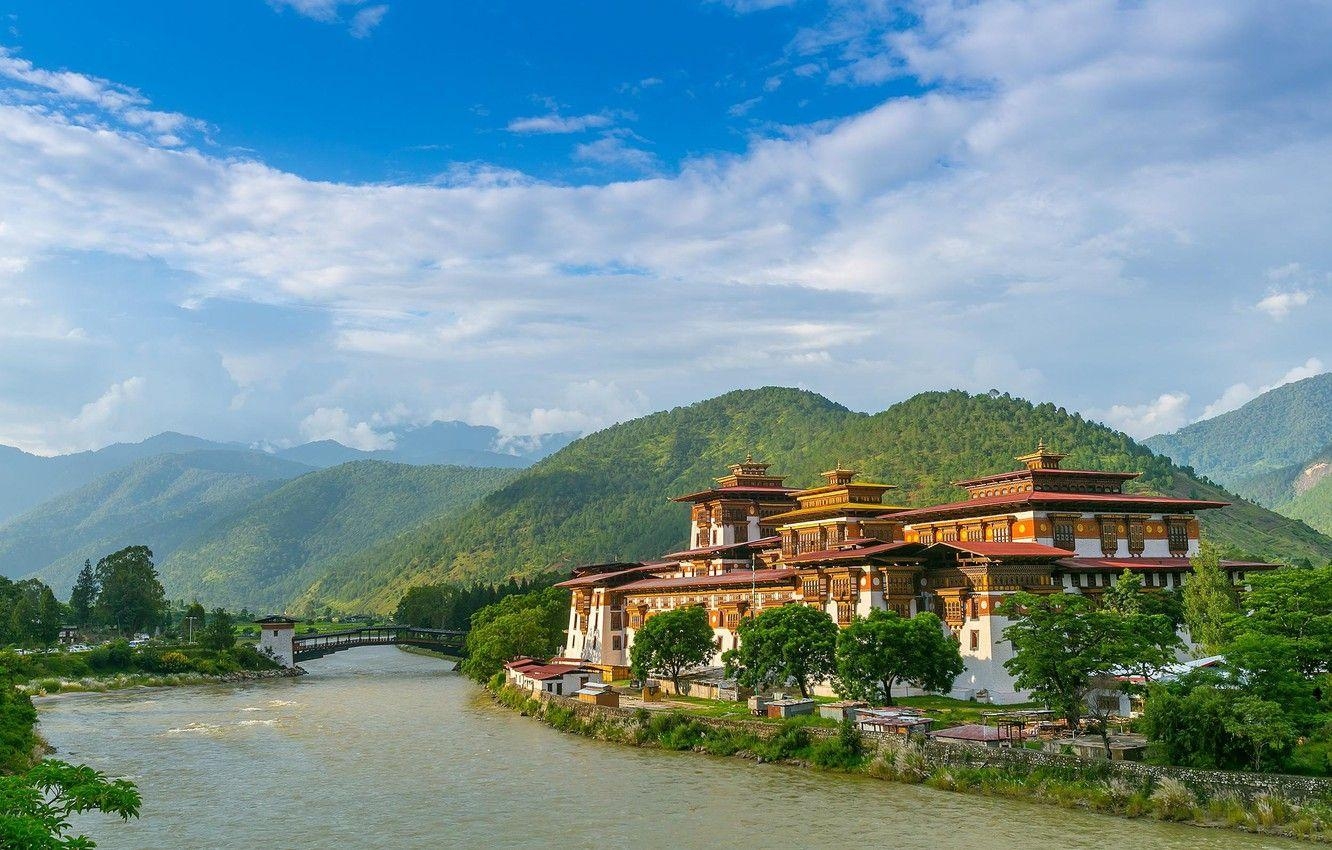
[299,219]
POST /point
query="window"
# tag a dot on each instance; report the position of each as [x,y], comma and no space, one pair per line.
[948,535]
[1064,537]
[616,643]
[973,640]
[1177,533]
[973,534]
[1137,539]
[1109,537]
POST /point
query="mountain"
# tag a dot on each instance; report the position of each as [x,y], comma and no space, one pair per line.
[28,479]
[158,501]
[454,443]
[266,552]
[1281,428]
[604,497]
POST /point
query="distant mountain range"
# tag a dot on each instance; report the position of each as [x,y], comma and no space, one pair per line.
[605,496]
[28,480]
[1275,450]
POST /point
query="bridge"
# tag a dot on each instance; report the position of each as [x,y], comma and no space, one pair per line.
[278,639]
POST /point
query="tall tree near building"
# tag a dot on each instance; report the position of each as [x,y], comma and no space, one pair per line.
[672,642]
[131,597]
[1125,595]
[1210,602]
[525,624]
[793,643]
[1295,605]
[1066,648]
[83,597]
[220,633]
[875,653]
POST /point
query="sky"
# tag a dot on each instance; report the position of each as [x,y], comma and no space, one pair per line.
[289,220]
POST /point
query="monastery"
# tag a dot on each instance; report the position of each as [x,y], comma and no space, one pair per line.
[755,543]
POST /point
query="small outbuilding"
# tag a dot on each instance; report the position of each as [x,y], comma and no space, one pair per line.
[783,708]
[975,735]
[598,693]
[842,709]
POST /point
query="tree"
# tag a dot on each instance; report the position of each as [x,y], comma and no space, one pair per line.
[35,806]
[671,642]
[526,624]
[83,597]
[1264,729]
[792,643]
[193,620]
[131,596]
[1065,648]
[220,633]
[1125,595]
[1210,602]
[876,652]
[1295,605]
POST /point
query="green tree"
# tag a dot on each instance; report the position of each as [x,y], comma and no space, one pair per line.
[428,606]
[1065,648]
[220,633]
[193,621]
[671,642]
[876,652]
[1125,596]
[83,598]
[791,643]
[35,806]
[1295,605]
[131,597]
[525,624]
[1210,602]
[1263,728]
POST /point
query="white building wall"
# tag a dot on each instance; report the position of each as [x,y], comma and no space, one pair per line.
[278,643]
[983,668]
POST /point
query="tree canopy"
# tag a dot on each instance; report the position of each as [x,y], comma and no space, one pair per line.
[876,652]
[791,643]
[672,642]
[1210,602]
[131,597]
[528,624]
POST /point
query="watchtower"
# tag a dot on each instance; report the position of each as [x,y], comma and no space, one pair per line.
[275,636]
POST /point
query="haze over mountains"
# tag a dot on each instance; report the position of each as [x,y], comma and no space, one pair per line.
[239,527]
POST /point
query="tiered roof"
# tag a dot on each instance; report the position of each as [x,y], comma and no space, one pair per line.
[747,480]
[841,496]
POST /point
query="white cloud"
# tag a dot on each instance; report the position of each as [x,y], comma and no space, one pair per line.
[556,123]
[1240,394]
[1166,413]
[1278,305]
[613,150]
[365,20]
[327,423]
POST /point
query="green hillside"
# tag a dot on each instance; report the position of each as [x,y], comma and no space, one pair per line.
[1282,427]
[159,502]
[1314,504]
[265,553]
[605,496]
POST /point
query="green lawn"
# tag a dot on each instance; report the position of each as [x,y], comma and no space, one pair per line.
[945,710]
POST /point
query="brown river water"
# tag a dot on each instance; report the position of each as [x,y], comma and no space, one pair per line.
[381,749]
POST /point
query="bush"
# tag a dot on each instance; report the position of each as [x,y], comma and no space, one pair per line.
[1173,799]
[115,657]
[845,752]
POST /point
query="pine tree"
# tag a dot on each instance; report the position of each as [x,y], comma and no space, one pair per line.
[1210,602]
[83,598]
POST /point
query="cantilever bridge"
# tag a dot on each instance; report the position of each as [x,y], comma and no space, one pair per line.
[305,647]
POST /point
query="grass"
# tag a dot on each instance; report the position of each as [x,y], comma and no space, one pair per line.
[946,710]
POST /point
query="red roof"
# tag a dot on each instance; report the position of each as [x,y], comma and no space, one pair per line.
[551,671]
[1149,564]
[849,553]
[712,550]
[972,732]
[737,578]
[595,579]
[1022,473]
[992,549]
[1040,498]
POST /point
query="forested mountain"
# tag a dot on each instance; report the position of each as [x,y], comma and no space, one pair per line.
[265,553]
[604,497]
[1281,428]
[158,502]
[439,443]
[28,480]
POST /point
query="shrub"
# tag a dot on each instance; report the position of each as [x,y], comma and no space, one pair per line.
[1172,799]
[845,752]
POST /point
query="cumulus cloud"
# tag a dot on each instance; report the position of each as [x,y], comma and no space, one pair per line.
[1279,305]
[364,21]
[1239,394]
[1055,209]
[333,423]
[363,18]
[1166,413]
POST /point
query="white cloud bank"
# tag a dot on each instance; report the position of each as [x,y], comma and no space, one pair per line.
[1079,187]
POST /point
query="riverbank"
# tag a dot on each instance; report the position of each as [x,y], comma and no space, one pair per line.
[1298,809]
[121,681]
[428,653]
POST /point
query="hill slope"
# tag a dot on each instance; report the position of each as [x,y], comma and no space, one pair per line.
[159,502]
[1285,426]
[605,496]
[265,553]
[438,443]
[28,480]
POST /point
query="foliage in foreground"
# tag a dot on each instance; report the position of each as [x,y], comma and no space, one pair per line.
[790,643]
[35,806]
[881,650]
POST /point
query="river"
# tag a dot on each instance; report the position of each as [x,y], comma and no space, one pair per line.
[381,749]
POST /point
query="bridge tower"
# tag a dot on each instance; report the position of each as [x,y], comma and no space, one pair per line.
[275,637]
